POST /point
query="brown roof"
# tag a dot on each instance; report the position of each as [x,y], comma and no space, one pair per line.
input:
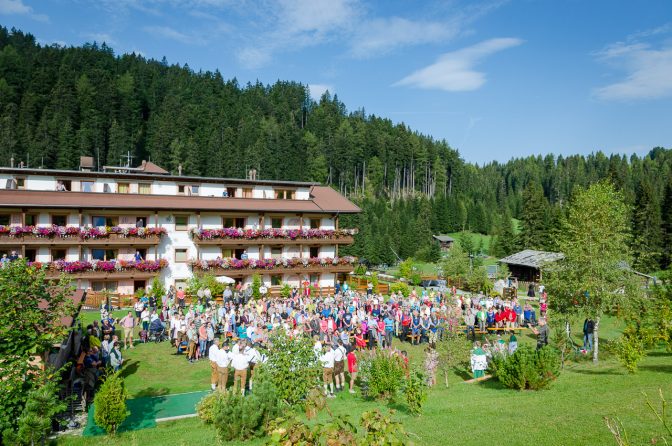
[77,298]
[330,200]
[324,200]
[150,167]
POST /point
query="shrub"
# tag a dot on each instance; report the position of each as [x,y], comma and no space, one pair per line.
[454,352]
[527,368]
[238,417]
[381,430]
[400,286]
[629,350]
[110,403]
[415,392]
[292,367]
[34,423]
[256,285]
[286,290]
[207,407]
[157,290]
[382,375]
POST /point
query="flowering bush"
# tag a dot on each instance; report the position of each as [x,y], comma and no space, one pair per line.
[109,266]
[231,263]
[83,233]
[253,234]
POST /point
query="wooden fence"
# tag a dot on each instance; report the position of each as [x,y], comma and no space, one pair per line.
[94,300]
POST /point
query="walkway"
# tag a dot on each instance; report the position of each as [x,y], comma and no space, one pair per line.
[147,411]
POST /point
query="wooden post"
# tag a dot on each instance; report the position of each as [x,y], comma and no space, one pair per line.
[262,220]
[336,222]
[156,219]
[198,219]
[261,252]
[23,218]
[80,218]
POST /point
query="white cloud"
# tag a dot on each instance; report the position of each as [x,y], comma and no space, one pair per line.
[17,7]
[383,35]
[172,34]
[455,71]
[317,90]
[648,71]
[296,24]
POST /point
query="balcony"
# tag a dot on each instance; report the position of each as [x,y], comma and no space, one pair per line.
[246,237]
[100,270]
[242,268]
[72,235]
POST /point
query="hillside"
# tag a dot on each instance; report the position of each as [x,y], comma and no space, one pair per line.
[57,104]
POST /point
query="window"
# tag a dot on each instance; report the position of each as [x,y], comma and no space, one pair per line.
[181,222]
[31,219]
[20,183]
[5,220]
[276,280]
[181,255]
[238,253]
[123,188]
[103,254]
[58,254]
[86,186]
[180,189]
[276,253]
[284,194]
[314,251]
[140,222]
[63,185]
[99,220]
[314,278]
[227,253]
[230,192]
[144,188]
[59,220]
[276,222]
[315,223]
[107,188]
[195,189]
[99,286]
[31,254]
[233,222]
[247,192]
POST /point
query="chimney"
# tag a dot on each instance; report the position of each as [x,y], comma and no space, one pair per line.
[11,162]
[179,169]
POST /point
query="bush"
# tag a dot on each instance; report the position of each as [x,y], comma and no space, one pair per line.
[527,368]
[400,286]
[157,290]
[110,403]
[238,417]
[629,350]
[415,392]
[382,375]
[34,423]
[256,285]
[292,367]
[207,407]
[286,290]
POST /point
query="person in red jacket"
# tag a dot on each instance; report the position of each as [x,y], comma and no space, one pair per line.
[499,318]
[511,318]
[352,369]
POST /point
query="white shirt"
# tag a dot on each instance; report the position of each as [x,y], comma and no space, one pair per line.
[317,348]
[139,306]
[223,358]
[213,352]
[327,360]
[240,361]
[253,355]
[339,353]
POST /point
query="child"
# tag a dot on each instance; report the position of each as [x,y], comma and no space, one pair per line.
[479,362]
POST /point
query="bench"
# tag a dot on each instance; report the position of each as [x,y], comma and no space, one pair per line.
[507,329]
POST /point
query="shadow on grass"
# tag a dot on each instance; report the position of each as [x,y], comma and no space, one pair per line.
[657,354]
[151,391]
[130,367]
[667,368]
[609,371]
[491,383]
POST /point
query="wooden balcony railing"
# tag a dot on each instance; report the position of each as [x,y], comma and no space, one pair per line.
[241,236]
[71,235]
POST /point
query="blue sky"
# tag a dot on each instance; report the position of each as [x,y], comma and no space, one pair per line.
[495,79]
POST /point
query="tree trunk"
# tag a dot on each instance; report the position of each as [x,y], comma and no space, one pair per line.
[596,340]
[445,377]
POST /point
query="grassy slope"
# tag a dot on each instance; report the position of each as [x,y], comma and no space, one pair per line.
[570,413]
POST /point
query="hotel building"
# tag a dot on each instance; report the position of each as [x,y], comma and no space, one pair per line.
[118,228]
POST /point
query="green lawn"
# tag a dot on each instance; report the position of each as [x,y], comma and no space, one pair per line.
[570,413]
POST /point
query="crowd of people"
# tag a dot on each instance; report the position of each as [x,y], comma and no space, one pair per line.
[233,334]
